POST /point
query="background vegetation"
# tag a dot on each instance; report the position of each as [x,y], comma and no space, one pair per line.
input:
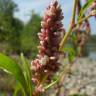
[15,36]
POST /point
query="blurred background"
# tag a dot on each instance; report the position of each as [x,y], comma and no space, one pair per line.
[19,25]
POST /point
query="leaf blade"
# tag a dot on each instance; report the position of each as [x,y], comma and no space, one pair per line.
[14,69]
[83,9]
[27,73]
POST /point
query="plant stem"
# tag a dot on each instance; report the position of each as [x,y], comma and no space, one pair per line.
[62,76]
[65,39]
[70,28]
[85,18]
[74,10]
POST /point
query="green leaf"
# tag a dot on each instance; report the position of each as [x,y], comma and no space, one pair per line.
[17,88]
[83,9]
[71,53]
[27,73]
[11,67]
[74,36]
[51,84]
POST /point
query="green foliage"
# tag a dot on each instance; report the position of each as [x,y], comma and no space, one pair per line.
[13,34]
[7,8]
[27,73]
[10,27]
[71,53]
[84,8]
[11,67]
[17,36]
[14,40]
[29,39]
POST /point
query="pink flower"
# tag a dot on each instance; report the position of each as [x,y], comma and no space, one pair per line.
[52,31]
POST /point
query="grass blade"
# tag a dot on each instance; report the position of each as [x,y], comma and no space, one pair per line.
[27,73]
[11,67]
[84,8]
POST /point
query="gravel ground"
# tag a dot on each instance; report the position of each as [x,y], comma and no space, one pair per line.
[83,77]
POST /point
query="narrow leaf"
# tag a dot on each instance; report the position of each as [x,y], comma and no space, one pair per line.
[14,69]
[27,73]
[71,53]
[84,8]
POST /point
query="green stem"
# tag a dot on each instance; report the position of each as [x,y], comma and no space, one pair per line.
[70,28]
[65,39]
[61,76]
[74,10]
[85,18]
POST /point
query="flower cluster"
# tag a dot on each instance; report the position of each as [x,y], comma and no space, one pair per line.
[52,32]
